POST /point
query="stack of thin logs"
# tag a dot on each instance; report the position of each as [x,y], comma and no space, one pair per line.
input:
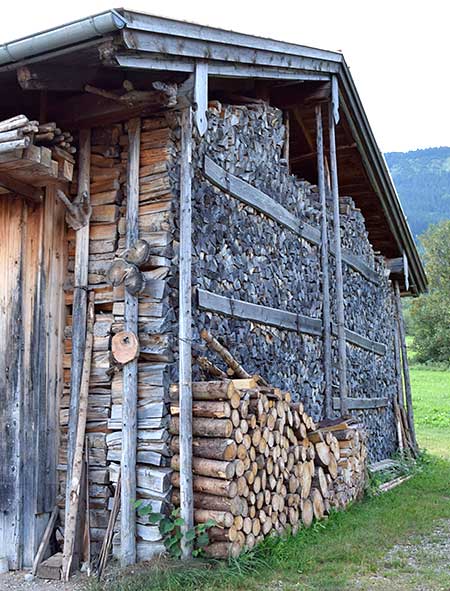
[17,133]
[260,463]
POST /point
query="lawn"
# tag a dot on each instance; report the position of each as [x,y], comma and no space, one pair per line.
[398,541]
[431,401]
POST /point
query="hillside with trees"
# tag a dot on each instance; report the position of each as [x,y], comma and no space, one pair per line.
[422,178]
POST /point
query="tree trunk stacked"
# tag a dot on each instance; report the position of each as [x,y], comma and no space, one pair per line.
[260,464]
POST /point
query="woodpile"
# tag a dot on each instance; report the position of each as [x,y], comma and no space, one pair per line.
[35,153]
[241,253]
[261,464]
[106,247]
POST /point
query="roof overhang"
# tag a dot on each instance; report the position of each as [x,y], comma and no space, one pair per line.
[148,43]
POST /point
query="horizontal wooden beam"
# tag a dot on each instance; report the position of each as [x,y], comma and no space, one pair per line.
[193,47]
[260,201]
[361,403]
[311,155]
[146,61]
[257,313]
[20,188]
[278,318]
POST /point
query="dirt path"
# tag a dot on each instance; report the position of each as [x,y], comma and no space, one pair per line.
[420,564]
[15,581]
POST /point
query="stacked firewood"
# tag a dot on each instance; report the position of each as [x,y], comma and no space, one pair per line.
[260,464]
[49,135]
[19,132]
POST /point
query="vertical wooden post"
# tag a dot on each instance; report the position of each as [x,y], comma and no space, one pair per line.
[338,253]
[79,307]
[185,331]
[201,96]
[406,378]
[326,314]
[130,370]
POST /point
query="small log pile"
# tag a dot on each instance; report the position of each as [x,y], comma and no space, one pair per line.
[35,153]
[261,464]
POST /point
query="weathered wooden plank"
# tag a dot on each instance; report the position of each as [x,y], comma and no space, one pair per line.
[79,303]
[405,366]
[360,341]
[257,313]
[142,60]
[196,48]
[130,370]
[201,96]
[361,403]
[185,330]
[249,195]
[339,281]
[326,310]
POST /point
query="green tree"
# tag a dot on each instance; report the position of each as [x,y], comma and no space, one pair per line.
[430,312]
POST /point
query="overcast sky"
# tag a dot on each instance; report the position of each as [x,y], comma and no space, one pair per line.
[398,50]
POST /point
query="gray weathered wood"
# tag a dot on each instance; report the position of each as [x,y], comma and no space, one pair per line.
[342,352]
[326,312]
[222,51]
[360,403]
[257,313]
[249,195]
[79,307]
[201,96]
[405,366]
[360,341]
[130,370]
[185,331]
[45,540]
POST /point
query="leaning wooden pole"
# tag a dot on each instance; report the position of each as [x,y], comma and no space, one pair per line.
[342,351]
[326,313]
[75,491]
[79,307]
[185,332]
[405,366]
[130,370]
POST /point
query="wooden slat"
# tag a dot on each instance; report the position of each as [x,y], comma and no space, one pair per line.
[326,309]
[130,370]
[257,313]
[185,332]
[361,403]
[339,280]
[360,341]
[249,195]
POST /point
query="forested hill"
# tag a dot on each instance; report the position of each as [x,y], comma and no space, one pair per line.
[422,178]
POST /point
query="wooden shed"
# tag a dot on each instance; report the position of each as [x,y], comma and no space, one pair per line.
[159,179]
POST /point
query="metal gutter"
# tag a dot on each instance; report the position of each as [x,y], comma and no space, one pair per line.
[63,36]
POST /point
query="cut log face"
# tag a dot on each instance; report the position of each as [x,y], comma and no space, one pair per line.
[278,477]
[125,347]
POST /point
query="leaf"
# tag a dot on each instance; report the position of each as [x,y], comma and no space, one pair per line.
[190,535]
[138,503]
[166,526]
[202,540]
[179,521]
[210,523]
[155,518]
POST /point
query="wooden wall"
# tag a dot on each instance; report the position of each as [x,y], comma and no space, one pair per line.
[32,266]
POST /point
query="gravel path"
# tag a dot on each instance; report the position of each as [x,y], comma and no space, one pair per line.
[15,581]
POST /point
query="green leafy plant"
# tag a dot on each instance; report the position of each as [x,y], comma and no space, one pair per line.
[171,527]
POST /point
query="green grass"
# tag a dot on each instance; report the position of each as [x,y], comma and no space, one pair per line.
[384,542]
[328,557]
[431,401]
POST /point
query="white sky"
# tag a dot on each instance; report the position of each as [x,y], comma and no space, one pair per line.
[398,50]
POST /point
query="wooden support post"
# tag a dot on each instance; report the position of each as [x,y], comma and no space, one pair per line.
[75,491]
[79,307]
[201,96]
[185,331]
[130,370]
[338,253]
[326,313]
[406,378]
